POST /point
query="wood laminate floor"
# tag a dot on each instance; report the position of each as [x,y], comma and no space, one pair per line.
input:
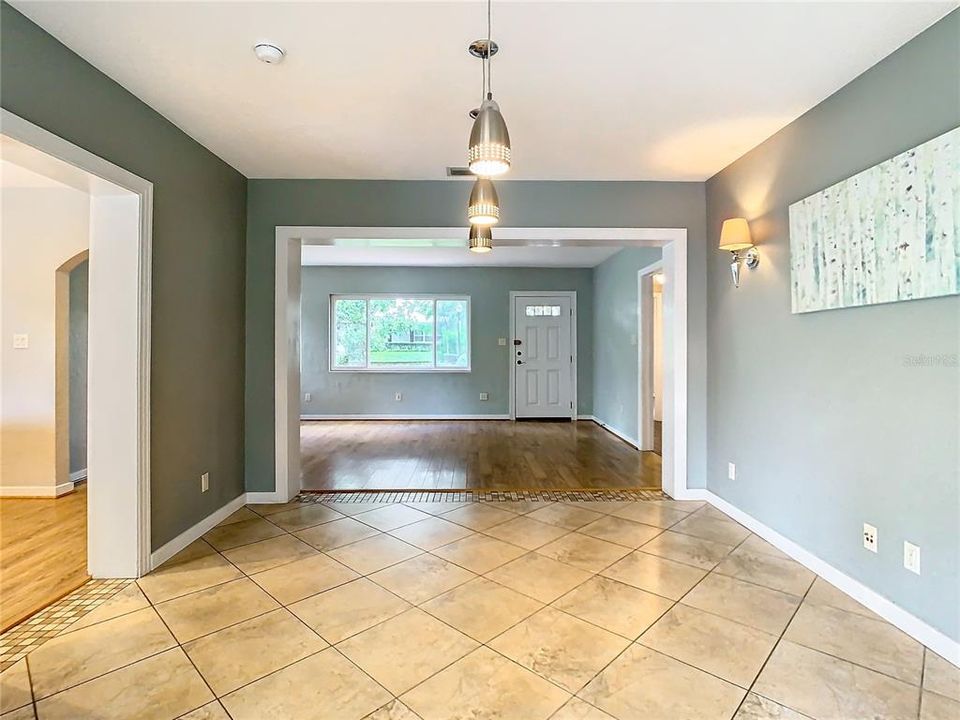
[43,552]
[487,454]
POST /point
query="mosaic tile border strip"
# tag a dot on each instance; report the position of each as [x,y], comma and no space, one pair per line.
[56,618]
[459,496]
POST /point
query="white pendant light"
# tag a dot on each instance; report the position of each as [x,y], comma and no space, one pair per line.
[489,150]
[484,205]
[481,238]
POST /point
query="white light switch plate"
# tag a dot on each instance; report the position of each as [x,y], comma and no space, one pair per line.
[911,557]
[21,341]
[205,482]
[501,341]
[731,471]
[307,397]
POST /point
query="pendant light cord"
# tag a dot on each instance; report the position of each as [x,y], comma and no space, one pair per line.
[489,54]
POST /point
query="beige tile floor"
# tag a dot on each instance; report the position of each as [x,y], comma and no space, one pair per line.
[440,611]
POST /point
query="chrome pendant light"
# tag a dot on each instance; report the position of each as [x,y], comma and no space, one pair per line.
[483,207]
[489,151]
[481,238]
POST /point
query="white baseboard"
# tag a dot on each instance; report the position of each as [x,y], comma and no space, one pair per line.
[171,548]
[379,416]
[78,475]
[913,626]
[36,491]
[616,431]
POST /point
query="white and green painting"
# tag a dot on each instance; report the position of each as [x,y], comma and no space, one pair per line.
[887,234]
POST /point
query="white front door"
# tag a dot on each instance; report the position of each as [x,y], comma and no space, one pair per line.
[543,356]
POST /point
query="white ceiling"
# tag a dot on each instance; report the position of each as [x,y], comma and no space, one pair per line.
[459,256]
[590,90]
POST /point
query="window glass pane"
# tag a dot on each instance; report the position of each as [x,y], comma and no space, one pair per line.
[453,335]
[350,321]
[529,310]
[401,332]
[555,310]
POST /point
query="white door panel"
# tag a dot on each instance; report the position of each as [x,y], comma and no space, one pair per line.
[543,356]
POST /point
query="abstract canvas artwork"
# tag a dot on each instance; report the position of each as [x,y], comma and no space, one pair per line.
[889,233]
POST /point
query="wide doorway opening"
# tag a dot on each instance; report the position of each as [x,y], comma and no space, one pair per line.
[404,362]
[74,370]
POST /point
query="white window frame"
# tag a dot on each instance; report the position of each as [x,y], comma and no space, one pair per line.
[332,333]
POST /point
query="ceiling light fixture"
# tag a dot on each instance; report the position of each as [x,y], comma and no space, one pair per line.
[483,207]
[481,238]
[489,150]
[269,53]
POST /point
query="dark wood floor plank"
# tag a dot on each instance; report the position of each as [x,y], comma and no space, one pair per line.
[469,454]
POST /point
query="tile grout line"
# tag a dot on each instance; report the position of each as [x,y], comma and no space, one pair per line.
[635,641]
[774,649]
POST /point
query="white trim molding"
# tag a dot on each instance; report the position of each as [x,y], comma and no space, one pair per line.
[618,432]
[171,548]
[913,626]
[645,357]
[36,491]
[387,416]
[121,232]
[289,241]
[78,475]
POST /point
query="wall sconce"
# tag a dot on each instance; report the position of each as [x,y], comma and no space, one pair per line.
[735,237]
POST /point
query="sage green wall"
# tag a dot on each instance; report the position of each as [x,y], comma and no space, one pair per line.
[79,278]
[830,419]
[197,372]
[435,393]
[383,203]
[616,382]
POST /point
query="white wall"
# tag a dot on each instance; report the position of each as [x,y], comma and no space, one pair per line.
[41,227]
[657,352]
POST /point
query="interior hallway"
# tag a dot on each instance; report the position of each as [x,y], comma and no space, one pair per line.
[659,610]
[43,552]
[470,454]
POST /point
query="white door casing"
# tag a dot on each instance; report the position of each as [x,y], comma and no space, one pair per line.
[674,244]
[543,356]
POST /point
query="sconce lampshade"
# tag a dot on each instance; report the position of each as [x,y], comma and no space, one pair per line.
[481,238]
[735,235]
[484,205]
[489,152]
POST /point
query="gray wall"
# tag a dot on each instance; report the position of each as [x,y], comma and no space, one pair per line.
[443,203]
[616,345]
[440,393]
[198,264]
[828,421]
[78,366]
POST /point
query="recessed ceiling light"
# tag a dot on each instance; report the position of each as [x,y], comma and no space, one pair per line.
[269,53]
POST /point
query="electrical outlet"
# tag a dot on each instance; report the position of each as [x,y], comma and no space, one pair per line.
[731,471]
[911,557]
[870,537]
[204,482]
[398,397]
[21,341]
[501,341]
[484,396]
[307,397]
